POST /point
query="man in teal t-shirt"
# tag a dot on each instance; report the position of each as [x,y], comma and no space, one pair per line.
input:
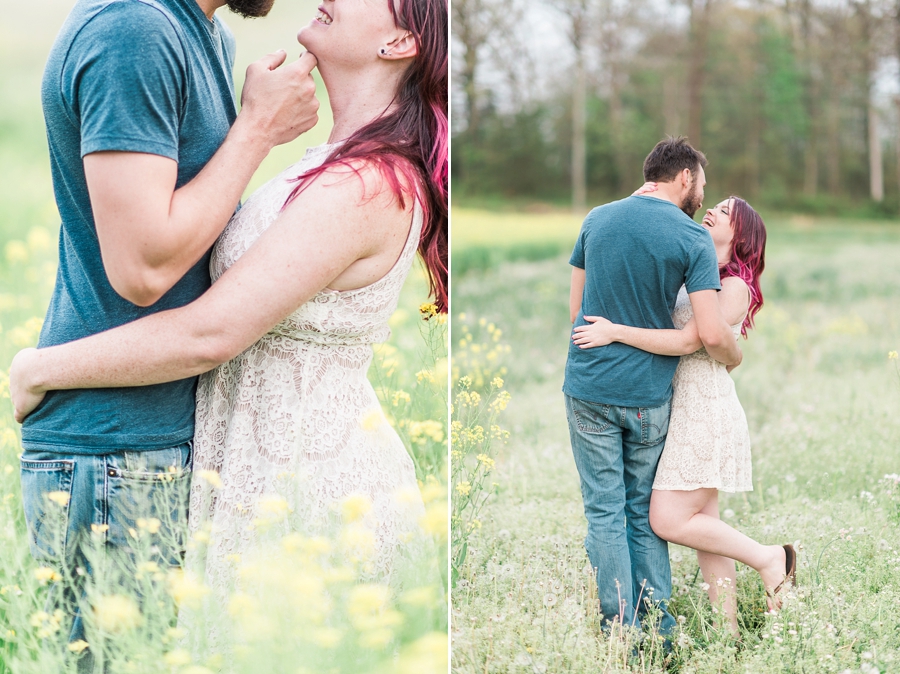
[631,258]
[149,159]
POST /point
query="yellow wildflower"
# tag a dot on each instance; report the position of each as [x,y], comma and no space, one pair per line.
[60,498]
[117,613]
[77,646]
[892,355]
[177,658]
[355,507]
[99,528]
[428,310]
[485,461]
[46,575]
[372,419]
[211,477]
[434,521]
[274,506]
[425,375]
[422,431]
[400,396]
[186,589]
[464,487]
[151,524]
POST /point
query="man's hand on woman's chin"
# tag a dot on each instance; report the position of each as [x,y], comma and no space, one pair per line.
[24,398]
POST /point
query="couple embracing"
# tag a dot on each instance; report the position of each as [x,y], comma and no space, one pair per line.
[655,437]
[163,277]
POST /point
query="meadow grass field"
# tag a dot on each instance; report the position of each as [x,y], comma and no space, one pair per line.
[822,397]
[309,605]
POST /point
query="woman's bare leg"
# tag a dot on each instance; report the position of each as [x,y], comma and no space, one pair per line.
[719,573]
[680,517]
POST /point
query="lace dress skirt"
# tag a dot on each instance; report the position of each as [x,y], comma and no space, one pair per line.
[708,444]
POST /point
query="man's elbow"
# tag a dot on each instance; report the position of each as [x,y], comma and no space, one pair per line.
[142,287]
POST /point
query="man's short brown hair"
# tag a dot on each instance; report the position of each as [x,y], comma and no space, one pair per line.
[669,158]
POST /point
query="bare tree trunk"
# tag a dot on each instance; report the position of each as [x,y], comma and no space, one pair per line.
[470,28]
[811,152]
[834,142]
[579,137]
[578,14]
[897,44]
[897,145]
[698,44]
[876,167]
[672,120]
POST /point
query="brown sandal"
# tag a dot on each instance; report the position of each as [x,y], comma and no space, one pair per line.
[790,570]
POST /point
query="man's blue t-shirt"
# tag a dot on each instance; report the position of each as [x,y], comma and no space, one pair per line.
[636,253]
[148,76]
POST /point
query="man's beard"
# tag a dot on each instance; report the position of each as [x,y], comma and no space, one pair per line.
[250,9]
[692,202]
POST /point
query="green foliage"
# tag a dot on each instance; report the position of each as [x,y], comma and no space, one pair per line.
[766,96]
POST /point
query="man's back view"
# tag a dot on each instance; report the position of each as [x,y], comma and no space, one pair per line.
[630,260]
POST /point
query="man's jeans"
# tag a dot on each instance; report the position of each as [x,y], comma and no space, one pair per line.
[616,451]
[72,498]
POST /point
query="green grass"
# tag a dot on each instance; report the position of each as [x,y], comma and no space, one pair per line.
[280,634]
[482,237]
[823,403]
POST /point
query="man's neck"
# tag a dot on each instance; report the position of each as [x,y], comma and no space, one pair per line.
[670,192]
[209,7]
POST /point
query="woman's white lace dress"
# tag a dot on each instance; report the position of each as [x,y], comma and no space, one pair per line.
[295,416]
[708,444]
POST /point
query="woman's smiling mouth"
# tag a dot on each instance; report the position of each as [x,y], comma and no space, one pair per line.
[323,17]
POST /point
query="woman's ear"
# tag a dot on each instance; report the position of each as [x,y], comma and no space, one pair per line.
[402,47]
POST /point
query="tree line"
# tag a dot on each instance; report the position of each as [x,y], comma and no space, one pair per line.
[791,100]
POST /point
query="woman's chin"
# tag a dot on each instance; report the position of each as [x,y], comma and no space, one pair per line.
[307,34]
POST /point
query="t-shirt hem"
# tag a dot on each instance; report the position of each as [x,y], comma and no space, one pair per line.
[76,443]
[119,144]
[617,402]
[702,286]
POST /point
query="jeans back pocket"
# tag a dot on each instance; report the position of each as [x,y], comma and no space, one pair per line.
[655,423]
[46,497]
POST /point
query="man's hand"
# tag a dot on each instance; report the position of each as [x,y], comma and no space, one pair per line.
[280,101]
[24,397]
[600,332]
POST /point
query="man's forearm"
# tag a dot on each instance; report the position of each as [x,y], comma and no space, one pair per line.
[200,210]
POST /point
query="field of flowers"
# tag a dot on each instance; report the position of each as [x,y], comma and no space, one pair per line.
[308,604]
[821,389]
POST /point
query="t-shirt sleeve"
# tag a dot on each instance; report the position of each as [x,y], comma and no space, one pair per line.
[703,267]
[124,79]
[577,259]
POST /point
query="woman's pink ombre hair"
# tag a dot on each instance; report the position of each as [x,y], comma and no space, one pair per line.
[748,254]
[409,145]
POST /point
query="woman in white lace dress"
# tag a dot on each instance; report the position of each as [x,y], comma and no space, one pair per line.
[306,276]
[708,444]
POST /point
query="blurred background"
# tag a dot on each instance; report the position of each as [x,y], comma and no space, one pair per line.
[794,102]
